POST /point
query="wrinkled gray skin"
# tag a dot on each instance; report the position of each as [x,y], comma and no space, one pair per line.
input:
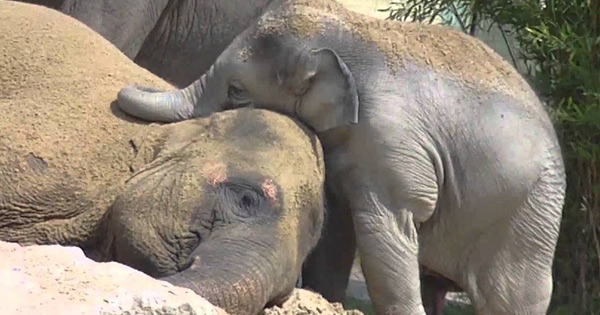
[176,40]
[467,181]
[248,208]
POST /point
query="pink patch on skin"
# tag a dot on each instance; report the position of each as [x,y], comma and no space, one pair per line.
[269,189]
[215,172]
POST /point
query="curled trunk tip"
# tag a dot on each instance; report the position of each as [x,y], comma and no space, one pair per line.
[154,105]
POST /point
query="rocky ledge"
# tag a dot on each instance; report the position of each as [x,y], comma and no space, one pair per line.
[53,279]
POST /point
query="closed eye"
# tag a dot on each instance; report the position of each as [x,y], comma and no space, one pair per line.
[249,199]
[237,94]
[235,90]
[242,200]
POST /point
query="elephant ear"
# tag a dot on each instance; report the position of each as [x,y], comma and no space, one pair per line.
[326,86]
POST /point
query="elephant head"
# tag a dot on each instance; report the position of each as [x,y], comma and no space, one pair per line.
[269,65]
[228,206]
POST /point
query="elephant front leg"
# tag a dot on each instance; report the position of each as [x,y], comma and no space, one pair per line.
[327,269]
[388,247]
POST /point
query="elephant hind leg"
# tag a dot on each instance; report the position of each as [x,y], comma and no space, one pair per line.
[433,291]
[513,274]
[433,294]
[504,287]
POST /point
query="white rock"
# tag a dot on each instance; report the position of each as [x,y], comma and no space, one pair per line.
[53,279]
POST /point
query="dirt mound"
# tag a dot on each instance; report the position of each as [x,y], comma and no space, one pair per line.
[307,303]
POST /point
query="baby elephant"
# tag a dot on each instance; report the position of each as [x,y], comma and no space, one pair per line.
[229,206]
[441,151]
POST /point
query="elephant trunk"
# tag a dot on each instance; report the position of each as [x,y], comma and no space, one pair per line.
[155,105]
[239,276]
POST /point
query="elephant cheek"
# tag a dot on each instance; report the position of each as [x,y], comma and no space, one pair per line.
[152,255]
[129,255]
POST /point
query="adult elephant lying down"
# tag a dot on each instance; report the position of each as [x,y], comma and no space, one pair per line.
[228,206]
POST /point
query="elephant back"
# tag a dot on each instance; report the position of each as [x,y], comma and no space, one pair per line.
[404,46]
[64,145]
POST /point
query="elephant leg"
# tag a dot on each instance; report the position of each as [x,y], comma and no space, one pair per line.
[511,283]
[388,247]
[125,23]
[328,267]
[53,4]
[512,274]
[434,287]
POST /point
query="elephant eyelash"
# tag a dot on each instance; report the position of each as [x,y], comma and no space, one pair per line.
[243,200]
[234,90]
[237,93]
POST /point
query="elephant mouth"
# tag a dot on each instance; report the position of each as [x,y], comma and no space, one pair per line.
[238,275]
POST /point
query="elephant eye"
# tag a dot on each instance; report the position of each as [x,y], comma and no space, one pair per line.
[234,90]
[244,200]
[237,94]
[249,199]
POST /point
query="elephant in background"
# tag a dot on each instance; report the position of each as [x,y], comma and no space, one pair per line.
[228,206]
[436,150]
[175,40]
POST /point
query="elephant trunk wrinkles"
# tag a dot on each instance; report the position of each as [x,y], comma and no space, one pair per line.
[238,276]
[168,106]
